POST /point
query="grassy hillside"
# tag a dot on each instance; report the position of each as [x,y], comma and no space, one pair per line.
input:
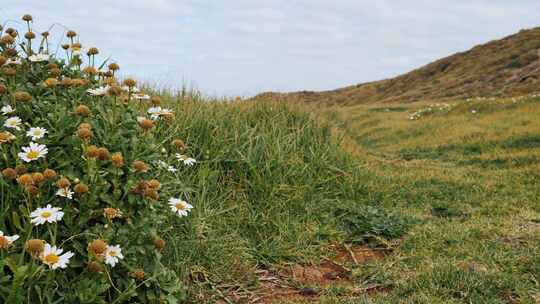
[506,67]
[470,172]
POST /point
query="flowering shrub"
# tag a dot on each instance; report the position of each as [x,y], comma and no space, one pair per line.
[83,189]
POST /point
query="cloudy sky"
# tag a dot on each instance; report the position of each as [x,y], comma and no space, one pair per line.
[242,47]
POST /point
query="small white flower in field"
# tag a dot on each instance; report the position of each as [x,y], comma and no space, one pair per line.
[473,111]
[188,161]
[13,61]
[141,96]
[156,112]
[33,152]
[6,241]
[13,123]
[100,91]
[161,163]
[53,257]
[172,169]
[36,133]
[65,192]
[39,58]
[7,109]
[180,207]
[133,89]
[46,215]
[163,150]
[113,254]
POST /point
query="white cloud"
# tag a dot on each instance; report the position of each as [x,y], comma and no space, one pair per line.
[246,46]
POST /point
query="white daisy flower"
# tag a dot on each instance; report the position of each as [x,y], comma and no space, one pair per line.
[113,254]
[133,89]
[13,61]
[36,133]
[100,91]
[171,169]
[140,96]
[13,123]
[156,112]
[48,214]
[7,109]
[53,257]
[180,207]
[65,192]
[6,241]
[39,58]
[33,152]
[188,161]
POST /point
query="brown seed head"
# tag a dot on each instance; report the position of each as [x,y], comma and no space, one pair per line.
[117,159]
[76,46]
[84,134]
[10,72]
[3,60]
[25,179]
[85,125]
[65,46]
[159,243]
[115,90]
[97,247]
[83,110]
[90,70]
[154,184]
[38,178]
[81,188]
[140,166]
[93,51]
[92,152]
[137,275]
[45,34]
[34,246]
[49,173]
[156,100]
[3,89]
[50,82]
[130,82]
[11,52]
[22,96]
[63,183]
[56,72]
[179,144]
[71,34]
[7,39]
[111,213]
[21,169]
[9,173]
[114,67]
[27,18]
[32,190]
[66,81]
[4,242]
[146,124]
[30,35]
[6,137]
[103,153]
[152,194]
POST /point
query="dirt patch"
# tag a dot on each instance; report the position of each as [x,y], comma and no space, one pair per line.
[304,283]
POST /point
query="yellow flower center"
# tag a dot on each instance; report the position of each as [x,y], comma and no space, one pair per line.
[13,123]
[51,259]
[3,242]
[37,133]
[180,206]
[46,214]
[32,154]
[112,253]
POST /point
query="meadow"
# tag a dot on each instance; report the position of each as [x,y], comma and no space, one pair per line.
[113,192]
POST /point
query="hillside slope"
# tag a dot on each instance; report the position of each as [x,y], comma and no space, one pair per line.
[506,67]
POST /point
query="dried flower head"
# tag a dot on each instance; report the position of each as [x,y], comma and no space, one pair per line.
[9,173]
[21,169]
[152,194]
[83,110]
[56,72]
[6,137]
[32,190]
[114,90]
[92,152]
[3,89]
[111,213]
[63,183]
[71,34]
[10,72]
[90,70]
[3,60]
[179,144]
[10,52]
[27,17]
[140,167]
[66,81]
[130,82]
[84,134]
[114,67]
[50,82]
[137,275]
[97,247]
[25,179]
[22,96]
[95,267]
[156,100]
[7,39]
[103,153]
[159,243]
[146,124]
[81,188]
[154,184]
[85,125]
[117,159]
[65,46]
[49,173]
[38,178]
[34,247]
[93,51]
[45,34]
[30,35]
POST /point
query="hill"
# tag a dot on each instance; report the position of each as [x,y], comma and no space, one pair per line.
[506,67]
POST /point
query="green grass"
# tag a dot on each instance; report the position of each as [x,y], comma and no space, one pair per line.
[472,181]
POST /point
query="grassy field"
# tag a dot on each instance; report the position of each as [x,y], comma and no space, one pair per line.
[469,172]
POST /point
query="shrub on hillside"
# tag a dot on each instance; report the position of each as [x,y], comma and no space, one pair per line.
[84,192]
